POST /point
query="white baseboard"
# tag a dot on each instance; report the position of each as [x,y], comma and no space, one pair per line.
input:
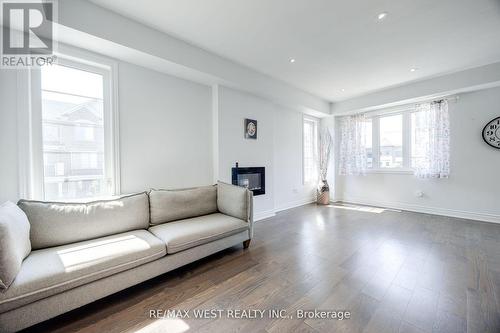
[258,216]
[486,217]
[263,215]
[293,204]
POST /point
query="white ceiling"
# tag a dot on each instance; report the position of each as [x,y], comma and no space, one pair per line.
[337,44]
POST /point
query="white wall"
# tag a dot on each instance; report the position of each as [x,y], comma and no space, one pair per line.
[278,148]
[167,123]
[234,107]
[8,136]
[288,173]
[472,189]
[165,131]
[167,140]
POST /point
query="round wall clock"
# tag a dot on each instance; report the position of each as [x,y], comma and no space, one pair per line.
[491,133]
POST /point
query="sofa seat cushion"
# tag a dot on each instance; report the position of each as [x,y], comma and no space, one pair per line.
[184,234]
[53,270]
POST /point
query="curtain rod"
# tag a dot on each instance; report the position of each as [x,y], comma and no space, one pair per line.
[404,107]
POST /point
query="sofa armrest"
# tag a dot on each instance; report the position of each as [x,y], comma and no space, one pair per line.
[15,243]
[235,201]
[250,210]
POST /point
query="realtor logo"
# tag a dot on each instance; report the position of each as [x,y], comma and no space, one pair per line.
[27,33]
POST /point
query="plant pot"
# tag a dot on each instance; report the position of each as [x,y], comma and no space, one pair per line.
[323,198]
[323,194]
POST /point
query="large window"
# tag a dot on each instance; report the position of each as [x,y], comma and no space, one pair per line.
[310,154]
[73,112]
[414,139]
[73,107]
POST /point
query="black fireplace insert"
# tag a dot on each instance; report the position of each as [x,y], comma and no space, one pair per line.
[253,178]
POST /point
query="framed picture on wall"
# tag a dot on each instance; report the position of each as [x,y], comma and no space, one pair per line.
[250,129]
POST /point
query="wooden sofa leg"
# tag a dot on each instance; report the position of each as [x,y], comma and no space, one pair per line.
[246,243]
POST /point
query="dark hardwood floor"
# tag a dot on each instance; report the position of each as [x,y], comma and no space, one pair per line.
[394,271]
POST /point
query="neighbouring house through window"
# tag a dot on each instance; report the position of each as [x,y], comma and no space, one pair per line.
[391,141]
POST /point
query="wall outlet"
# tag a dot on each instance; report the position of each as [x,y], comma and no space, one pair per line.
[419,194]
[294,190]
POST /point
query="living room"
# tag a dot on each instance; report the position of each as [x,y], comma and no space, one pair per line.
[314,166]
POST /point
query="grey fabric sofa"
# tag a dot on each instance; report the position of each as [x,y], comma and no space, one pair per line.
[83,252]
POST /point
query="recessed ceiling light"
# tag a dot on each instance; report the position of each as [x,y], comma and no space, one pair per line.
[382,16]
[413,69]
[342,89]
[292,60]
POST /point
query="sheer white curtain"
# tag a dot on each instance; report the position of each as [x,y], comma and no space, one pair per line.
[431,140]
[353,157]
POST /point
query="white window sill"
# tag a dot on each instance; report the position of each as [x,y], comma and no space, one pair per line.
[397,171]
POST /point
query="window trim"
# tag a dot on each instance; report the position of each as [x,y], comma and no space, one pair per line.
[315,121]
[30,154]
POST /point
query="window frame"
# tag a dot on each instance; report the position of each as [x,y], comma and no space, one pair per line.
[406,142]
[31,175]
[315,122]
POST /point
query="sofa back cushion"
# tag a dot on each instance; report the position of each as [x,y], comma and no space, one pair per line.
[172,205]
[59,223]
[14,242]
